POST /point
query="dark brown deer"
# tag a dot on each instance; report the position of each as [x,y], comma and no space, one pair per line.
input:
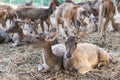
[34,13]
[83,56]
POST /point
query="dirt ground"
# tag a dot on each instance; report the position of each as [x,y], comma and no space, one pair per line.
[20,63]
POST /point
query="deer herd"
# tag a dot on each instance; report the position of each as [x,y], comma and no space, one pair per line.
[39,27]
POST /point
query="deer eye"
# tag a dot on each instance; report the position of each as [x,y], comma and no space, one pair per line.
[65,42]
[75,42]
[37,37]
[14,27]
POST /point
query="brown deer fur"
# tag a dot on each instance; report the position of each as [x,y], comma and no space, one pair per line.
[53,55]
[83,56]
[67,13]
[34,13]
[18,35]
[107,10]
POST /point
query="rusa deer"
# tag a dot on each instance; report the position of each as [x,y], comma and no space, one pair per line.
[52,55]
[17,31]
[33,13]
[83,56]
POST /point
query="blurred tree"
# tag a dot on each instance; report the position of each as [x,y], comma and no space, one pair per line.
[61,1]
[35,2]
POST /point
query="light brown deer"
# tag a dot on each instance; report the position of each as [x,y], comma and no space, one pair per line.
[68,13]
[83,56]
[52,55]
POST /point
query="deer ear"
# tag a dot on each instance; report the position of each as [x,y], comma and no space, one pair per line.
[51,35]
[76,39]
[52,30]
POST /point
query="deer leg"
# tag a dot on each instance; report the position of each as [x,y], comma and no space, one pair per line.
[36,32]
[62,23]
[105,29]
[67,26]
[42,25]
[100,26]
[76,27]
[48,23]
[84,69]
[3,23]
[100,20]
[103,63]
[42,69]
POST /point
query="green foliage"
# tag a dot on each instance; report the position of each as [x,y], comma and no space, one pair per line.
[61,1]
[35,2]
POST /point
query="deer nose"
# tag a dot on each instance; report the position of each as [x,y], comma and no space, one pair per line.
[30,32]
[6,31]
[95,20]
[68,55]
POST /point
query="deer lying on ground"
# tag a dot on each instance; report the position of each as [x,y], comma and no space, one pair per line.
[4,37]
[83,56]
[17,31]
[53,55]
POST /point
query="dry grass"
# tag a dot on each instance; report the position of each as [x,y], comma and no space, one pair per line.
[20,63]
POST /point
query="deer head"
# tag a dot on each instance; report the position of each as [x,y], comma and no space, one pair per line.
[54,4]
[33,25]
[15,26]
[71,45]
[43,38]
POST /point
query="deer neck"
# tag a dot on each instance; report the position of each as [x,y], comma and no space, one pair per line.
[50,10]
[48,51]
[49,57]
[68,63]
